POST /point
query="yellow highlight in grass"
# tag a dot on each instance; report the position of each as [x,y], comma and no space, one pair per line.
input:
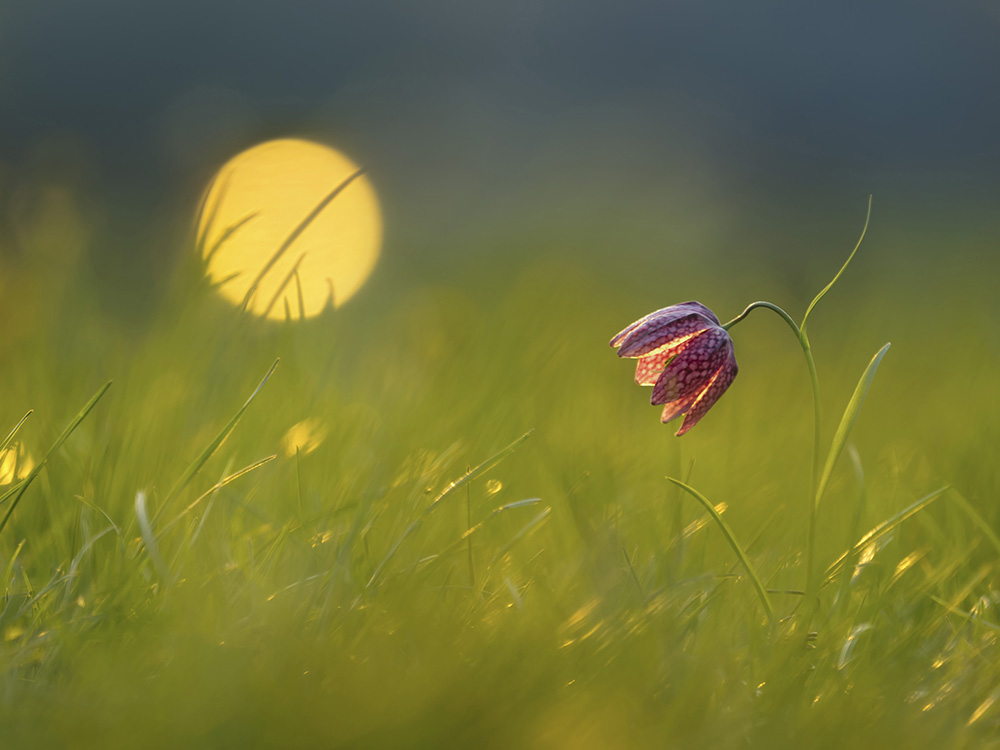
[305,437]
[15,464]
[288,228]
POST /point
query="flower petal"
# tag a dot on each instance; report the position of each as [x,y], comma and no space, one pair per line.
[692,368]
[650,366]
[706,398]
[675,408]
[653,330]
[651,335]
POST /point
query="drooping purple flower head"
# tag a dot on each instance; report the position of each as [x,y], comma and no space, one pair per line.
[685,354]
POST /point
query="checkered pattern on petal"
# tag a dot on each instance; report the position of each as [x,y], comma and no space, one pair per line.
[653,334]
[713,392]
[658,328]
[692,367]
[685,354]
[675,408]
[673,311]
[649,367]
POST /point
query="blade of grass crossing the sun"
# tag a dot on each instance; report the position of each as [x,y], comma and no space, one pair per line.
[297,232]
[212,447]
[469,475]
[213,212]
[847,422]
[12,433]
[977,519]
[228,233]
[828,287]
[63,436]
[737,547]
[882,529]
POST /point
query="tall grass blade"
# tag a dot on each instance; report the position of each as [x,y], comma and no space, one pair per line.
[9,571]
[148,538]
[882,529]
[847,422]
[977,519]
[967,616]
[218,486]
[469,475]
[828,287]
[213,212]
[12,433]
[297,232]
[737,547]
[228,233]
[469,532]
[859,473]
[64,435]
[212,447]
[478,471]
[520,535]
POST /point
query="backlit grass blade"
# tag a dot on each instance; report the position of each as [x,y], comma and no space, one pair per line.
[530,526]
[212,447]
[828,287]
[23,486]
[847,422]
[148,538]
[967,616]
[469,532]
[10,436]
[209,221]
[218,486]
[471,474]
[882,529]
[229,232]
[297,232]
[977,519]
[737,548]
[9,571]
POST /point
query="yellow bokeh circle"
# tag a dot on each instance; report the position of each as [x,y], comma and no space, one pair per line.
[289,227]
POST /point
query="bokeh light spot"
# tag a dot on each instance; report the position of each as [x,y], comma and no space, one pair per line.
[304,437]
[15,464]
[289,227]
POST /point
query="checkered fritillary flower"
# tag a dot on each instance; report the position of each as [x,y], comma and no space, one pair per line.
[685,354]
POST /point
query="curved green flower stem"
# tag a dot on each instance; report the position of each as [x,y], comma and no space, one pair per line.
[818,297]
[818,485]
[800,334]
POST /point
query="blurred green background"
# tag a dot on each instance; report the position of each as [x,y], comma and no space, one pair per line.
[548,172]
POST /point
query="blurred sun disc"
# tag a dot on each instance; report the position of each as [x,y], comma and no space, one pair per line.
[289,227]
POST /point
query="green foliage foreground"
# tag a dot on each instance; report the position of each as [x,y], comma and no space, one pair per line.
[484,549]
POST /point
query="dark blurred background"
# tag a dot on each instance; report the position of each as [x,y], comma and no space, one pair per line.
[628,133]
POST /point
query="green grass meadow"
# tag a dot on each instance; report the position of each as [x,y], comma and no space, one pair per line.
[484,550]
